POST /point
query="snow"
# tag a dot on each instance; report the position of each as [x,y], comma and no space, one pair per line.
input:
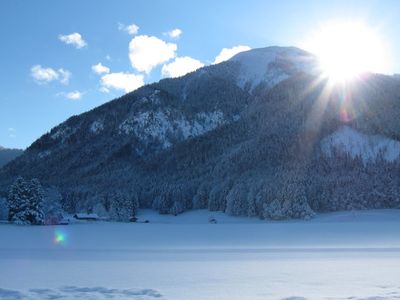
[271,65]
[162,125]
[194,217]
[96,127]
[154,98]
[368,147]
[344,255]
[74,292]
[62,133]
[202,123]
[44,154]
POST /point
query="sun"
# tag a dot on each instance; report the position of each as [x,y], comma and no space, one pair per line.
[347,49]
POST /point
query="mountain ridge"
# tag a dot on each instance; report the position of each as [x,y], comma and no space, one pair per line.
[205,140]
[7,155]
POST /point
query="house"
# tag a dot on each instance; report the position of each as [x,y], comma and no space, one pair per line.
[64,221]
[86,217]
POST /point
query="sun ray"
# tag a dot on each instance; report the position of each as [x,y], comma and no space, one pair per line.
[347,49]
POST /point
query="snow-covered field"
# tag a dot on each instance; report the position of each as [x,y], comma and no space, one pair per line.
[348,255]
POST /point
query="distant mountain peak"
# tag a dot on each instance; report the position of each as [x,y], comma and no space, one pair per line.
[247,136]
[271,65]
[7,155]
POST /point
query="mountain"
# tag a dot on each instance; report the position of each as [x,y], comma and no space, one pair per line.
[262,134]
[269,66]
[7,155]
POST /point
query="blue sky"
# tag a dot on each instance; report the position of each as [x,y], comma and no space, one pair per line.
[45,80]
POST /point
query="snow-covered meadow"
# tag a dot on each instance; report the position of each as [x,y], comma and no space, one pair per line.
[346,255]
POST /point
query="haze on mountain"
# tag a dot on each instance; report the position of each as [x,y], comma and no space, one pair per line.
[262,134]
[7,155]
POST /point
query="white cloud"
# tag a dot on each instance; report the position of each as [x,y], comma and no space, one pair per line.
[103,89]
[74,39]
[181,66]
[46,75]
[75,95]
[131,29]
[121,81]
[174,33]
[12,133]
[146,52]
[64,76]
[227,53]
[100,69]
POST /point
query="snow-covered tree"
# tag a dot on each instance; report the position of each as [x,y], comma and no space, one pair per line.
[3,209]
[52,209]
[200,199]
[165,202]
[123,207]
[218,193]
[274,210]
[177,208]
[26,202]
[18,197]
[236,200]
[251,203]
[100,210]
[290,201]
[35,213]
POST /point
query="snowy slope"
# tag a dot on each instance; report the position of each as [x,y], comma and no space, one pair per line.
[272,65]
[347,255]
[368,147]
[161,126]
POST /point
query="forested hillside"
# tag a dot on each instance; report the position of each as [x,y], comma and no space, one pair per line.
[273,140]
[7,155]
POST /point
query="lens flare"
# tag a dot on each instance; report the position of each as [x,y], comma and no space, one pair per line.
[59,238]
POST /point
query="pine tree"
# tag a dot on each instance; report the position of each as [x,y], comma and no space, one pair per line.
[165,202]
[236,200]
[134,203]
[251,201]
[290,201]
[52,209]
[123,208]
[18,199]
[273,210]
[200,199]
[26,202]
[3,209]
[35,213]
